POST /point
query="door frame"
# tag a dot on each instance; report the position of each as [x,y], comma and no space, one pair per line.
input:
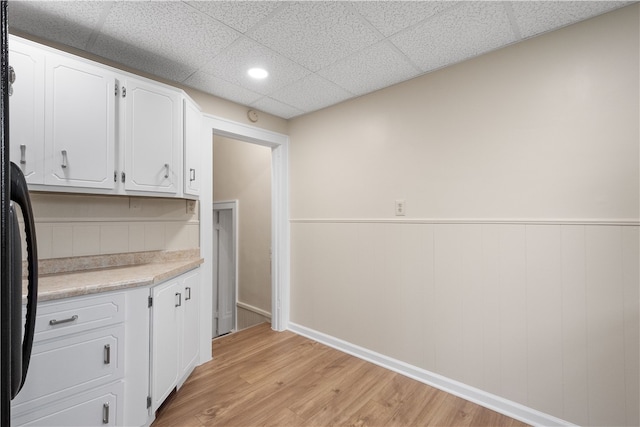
[233,206]
[280,240]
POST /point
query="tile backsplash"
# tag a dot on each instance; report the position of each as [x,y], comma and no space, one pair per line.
[70,225]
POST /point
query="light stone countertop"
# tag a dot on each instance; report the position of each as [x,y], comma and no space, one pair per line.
[90,275]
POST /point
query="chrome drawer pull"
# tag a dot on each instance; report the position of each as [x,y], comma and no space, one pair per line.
[54,322]
[187,291]
[192,174]
[64,159]
[166,170]
[105,413]
[23,154]
[179,303]
[107,354]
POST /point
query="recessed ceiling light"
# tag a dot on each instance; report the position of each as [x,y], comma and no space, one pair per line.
[258,73]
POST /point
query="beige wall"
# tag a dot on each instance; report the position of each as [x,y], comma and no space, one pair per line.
[516,268]
[242,171]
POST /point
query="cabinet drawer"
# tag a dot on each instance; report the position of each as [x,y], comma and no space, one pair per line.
[56,319]
[67,366]
[99,407]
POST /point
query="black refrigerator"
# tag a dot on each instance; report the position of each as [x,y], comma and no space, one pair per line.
[16,327]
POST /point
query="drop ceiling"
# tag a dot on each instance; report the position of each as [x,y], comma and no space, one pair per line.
[317,53]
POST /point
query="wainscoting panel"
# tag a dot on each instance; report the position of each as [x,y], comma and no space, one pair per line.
[541,314]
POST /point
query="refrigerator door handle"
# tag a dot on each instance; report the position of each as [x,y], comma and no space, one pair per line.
[20,195]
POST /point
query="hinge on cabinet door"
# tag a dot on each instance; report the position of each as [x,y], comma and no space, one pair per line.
[148,402]
[116,89]
[150,302]
[124,92]
[115,176]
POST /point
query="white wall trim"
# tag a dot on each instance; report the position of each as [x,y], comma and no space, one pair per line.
[472,394]
[514,221]
[280,242]
[254,309]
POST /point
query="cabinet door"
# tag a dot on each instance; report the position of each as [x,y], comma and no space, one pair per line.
[192,148]
[68,366]
[153,137]
[190,323]
[98,407]
[79,124]
[26,110]
[167,298]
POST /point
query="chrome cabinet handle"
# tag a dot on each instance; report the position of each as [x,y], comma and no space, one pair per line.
[179,303]
[187,291]
[105,413]
[54,322]
[23,154]
[107,354]
[64,159]
[166,170]
[192,174]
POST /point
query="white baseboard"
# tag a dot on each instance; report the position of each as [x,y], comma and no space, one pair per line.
[254,309]
[472,394]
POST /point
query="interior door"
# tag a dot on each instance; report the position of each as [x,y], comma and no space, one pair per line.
[226,271]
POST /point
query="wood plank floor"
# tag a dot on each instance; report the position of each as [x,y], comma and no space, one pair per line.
[259,377]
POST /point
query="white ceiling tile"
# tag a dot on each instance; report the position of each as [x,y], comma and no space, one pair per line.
[370,69]
[277,108]
[311,93]
[171,30]
[535,17]
[465,31]
[232,65]
[315,34]
[57,21]
[389,17]
[218,87]
[240,15]
[140,59]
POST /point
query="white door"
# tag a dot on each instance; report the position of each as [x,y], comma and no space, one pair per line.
[153,137]
[79,124]
[226,268]
[165,317]
[26,127]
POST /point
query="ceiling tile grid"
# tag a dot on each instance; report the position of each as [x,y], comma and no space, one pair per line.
[378,66]
[57,21]
[232,65]
[175,31]
[456,34]
[318,53]
[315,34]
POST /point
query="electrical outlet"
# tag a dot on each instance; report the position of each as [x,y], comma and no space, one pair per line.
[191,206]
[135,204]
[401,207]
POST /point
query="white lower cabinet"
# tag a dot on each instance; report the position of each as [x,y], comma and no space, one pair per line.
[77,364]
[174,334]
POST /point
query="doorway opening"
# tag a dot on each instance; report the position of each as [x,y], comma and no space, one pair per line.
[242,172]
[280,244]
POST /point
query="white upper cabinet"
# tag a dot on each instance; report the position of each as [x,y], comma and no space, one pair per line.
[192,148]
[79,123]
[26,110]
[153,137]
[80,126]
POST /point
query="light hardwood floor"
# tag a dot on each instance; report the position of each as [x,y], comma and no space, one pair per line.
[259,377]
